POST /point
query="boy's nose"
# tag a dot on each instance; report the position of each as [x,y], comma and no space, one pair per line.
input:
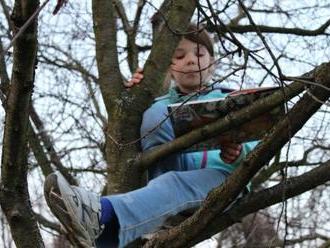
[191,59]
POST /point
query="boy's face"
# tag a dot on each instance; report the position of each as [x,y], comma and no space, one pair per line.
[190,65]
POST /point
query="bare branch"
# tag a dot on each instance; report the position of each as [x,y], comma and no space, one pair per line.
[222,125]
[241,29]
[138,13]
[132,51]
[240,177]
[46,223]
[4,86]
[265,173]
[14,195]
[267,197]
[45,138]
[70,63]
[6,11]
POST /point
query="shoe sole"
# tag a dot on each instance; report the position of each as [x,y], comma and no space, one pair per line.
[56,204]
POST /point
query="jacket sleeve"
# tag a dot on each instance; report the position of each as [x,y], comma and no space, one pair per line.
[156,129]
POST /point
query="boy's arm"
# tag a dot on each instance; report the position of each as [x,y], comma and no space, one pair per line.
[154,130]
[162,134]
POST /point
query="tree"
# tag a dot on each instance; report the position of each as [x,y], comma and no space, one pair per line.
[81,112]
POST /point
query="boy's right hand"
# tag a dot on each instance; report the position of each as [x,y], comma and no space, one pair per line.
[136,78]
[230,151]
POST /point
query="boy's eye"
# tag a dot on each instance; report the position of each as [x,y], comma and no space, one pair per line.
[200,54]
[179,56]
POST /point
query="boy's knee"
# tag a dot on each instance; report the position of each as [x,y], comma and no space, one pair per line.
[168,176]
[171,175]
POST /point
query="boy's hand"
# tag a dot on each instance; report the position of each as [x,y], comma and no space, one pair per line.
[136,78]
[230,151]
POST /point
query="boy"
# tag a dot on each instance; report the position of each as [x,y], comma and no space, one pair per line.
[179,181]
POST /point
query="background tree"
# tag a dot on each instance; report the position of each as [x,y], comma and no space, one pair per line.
[82,120]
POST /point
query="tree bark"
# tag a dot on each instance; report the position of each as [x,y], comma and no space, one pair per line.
[124,107]
[242,29]
[228,192]
[233,119]
[267,197]
[14,196]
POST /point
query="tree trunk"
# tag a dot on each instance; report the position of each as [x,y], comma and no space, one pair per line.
[14,196]
[124,107]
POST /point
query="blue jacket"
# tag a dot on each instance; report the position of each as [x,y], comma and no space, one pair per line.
[163,134]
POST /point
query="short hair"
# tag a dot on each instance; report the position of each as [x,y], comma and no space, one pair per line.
[199,35]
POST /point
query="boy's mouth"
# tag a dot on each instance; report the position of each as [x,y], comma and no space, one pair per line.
[192,71]
[195,70]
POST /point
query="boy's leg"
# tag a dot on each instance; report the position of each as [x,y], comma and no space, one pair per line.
[145,210]
[138,212]
[175,162]
[77,209]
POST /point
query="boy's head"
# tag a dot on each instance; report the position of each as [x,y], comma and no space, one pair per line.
[200,36]
[192,62]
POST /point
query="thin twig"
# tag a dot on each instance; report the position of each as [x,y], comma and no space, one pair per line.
[24,27]
[152,130]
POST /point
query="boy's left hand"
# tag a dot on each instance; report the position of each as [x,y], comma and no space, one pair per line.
[230,151]
[136,78]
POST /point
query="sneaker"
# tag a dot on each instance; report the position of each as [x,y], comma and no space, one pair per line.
[78,210]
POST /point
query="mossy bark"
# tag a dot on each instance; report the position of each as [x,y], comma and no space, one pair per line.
[125,108]
[185,233]
[14,196]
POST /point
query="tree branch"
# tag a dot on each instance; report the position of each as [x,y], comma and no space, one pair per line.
[38,152]
[265,173]
[126,107]
[46,223]
[4,86]
[255,201]
[6,10]
[46,140]
[241,29]
[132,50]
[106,52]
[14,195]
[234,119]
[229,191]
[69,63]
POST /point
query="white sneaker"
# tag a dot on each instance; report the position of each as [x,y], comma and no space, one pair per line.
[78,210]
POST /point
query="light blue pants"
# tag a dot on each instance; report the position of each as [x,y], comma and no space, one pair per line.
[144,210]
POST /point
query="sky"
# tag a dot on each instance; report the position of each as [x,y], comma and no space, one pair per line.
[310,53]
